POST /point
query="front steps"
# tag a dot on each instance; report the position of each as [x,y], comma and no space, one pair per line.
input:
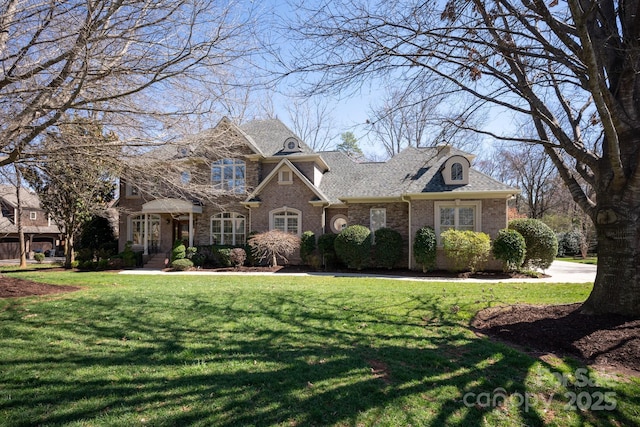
[155,262]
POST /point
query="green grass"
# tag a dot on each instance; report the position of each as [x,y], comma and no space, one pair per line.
[588,260]
[278,350]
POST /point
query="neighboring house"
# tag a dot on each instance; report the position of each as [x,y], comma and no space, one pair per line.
[41,234]
[278,182]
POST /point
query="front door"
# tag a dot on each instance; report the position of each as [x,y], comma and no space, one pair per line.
[181,231]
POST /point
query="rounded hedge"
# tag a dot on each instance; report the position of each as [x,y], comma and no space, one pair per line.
[353,246]
[182,264]
[570,243]
[387,247]
[424,248]
[510,248]
[327,249]
[466,250]
[541,241]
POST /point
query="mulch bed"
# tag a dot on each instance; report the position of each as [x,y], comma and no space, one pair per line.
[11,287]
[606,341]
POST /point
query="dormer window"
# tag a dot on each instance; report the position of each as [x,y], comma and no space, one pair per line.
[291,145]
[456,171]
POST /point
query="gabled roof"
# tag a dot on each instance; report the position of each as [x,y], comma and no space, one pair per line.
[274,173]
[28,199]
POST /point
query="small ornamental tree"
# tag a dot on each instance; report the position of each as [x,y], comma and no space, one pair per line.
[388,247]
[353,246]
[467,250]
[542,244]
[510,248]
[424,248]
[273,244]
[307,246]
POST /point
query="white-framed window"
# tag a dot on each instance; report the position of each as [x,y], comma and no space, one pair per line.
[136,230]
[338,223]
[285,177]
[33,216]
[377,219]
[457,215]
[228,228]
[286,219]
[229,174]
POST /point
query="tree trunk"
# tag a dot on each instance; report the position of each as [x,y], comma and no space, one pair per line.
[69,252]
[18,221]
[617,285]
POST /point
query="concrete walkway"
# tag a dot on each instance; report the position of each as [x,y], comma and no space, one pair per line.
[560,272]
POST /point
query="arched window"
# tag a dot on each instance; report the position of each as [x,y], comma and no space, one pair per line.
[287,220]
[228,174]
[457,172]
[228,228]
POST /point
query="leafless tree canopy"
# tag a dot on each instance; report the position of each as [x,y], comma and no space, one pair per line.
[130,64]
[570,67]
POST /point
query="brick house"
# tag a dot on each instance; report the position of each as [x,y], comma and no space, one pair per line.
[41,234]
[277,182]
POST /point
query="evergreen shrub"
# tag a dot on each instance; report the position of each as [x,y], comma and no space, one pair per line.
[510,248]
[387,247]
[466,250]
[542,244]
[353,246]
[424,248]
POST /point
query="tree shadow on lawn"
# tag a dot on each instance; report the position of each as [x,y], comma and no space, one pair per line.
[279,359]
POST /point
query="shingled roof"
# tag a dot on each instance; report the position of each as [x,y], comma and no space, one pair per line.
[413,171]
[270,135]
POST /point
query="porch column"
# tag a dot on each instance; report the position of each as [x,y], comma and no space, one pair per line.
[190,229]
[145,234]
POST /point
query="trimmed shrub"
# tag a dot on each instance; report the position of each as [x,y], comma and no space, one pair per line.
[222,256]
[388,247]
[542,244]
[237,257]
[467,250]
[179,251]
[39,257]
[510,248]
[327,249]
[570,243]
[307,246]
[424,248]
[353,246]
[182,264]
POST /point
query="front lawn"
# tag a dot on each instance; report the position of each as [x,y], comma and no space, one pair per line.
[280,350]
[592,260]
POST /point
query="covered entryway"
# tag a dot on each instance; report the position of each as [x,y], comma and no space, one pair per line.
[181,211]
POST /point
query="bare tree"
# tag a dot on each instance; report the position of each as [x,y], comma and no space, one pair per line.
[570,67]
[137,66]
[312,121]
[422,117]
